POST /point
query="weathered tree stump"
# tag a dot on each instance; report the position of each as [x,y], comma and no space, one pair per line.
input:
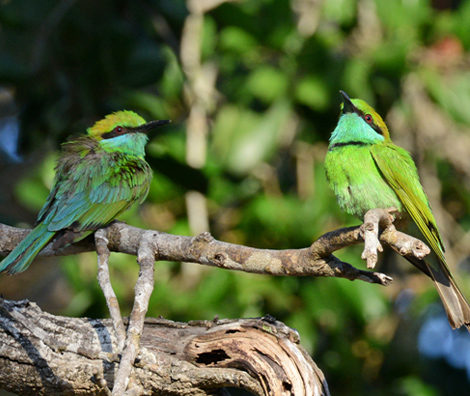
[42,354]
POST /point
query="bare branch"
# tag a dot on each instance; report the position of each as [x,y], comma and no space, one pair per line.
[104,280]
[375,220]
[370,234]
[403,244]
[143,291]
[317,260]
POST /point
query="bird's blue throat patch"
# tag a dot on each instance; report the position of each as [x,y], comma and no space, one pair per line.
[130,143]
[352,129]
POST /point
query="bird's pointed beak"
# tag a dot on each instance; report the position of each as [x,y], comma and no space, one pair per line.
[150,126]
[348,106]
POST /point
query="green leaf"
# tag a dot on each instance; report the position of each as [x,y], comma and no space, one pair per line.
[244,138]
[236,40]
[313,92]
[267,83]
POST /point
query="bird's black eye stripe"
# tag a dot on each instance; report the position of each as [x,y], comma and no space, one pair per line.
[371,122]
[109,135]
[361,114]
[115,132]
[376,129]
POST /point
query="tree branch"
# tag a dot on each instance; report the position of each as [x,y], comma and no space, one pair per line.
[382,219]
[104,280]
[143,291]
[316,260]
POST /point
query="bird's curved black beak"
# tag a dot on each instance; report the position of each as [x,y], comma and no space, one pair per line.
[348,106]
[150,126]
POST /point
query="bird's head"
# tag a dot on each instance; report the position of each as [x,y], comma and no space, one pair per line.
[124,131]
[360,122]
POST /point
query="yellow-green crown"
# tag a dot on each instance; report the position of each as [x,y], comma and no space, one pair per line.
[124,118]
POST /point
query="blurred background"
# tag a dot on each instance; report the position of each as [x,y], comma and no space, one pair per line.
[252,89]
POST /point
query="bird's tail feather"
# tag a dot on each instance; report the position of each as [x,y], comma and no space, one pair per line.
[455,304]
[22,256]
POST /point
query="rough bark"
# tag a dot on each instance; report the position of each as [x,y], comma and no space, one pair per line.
[42,354]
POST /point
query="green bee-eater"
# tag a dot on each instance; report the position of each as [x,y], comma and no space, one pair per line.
[367,171]
[98,176]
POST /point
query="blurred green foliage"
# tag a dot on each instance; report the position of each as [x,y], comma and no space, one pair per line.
[270,106]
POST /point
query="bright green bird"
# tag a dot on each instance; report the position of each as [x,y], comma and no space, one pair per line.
[98,176]
[367,171]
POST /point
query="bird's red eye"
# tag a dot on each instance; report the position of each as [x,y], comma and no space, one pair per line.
[119,129]
[368,118]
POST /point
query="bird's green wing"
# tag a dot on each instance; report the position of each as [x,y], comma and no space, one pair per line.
[62,170]
[79,213]
[92,195]
[401,174]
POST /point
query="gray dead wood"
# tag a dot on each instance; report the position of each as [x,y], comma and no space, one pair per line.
[42,354]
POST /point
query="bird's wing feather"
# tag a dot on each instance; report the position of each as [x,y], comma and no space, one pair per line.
[61,172]
[93,194]
[79,213]
[50,200]
[74,151]
[401,174]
